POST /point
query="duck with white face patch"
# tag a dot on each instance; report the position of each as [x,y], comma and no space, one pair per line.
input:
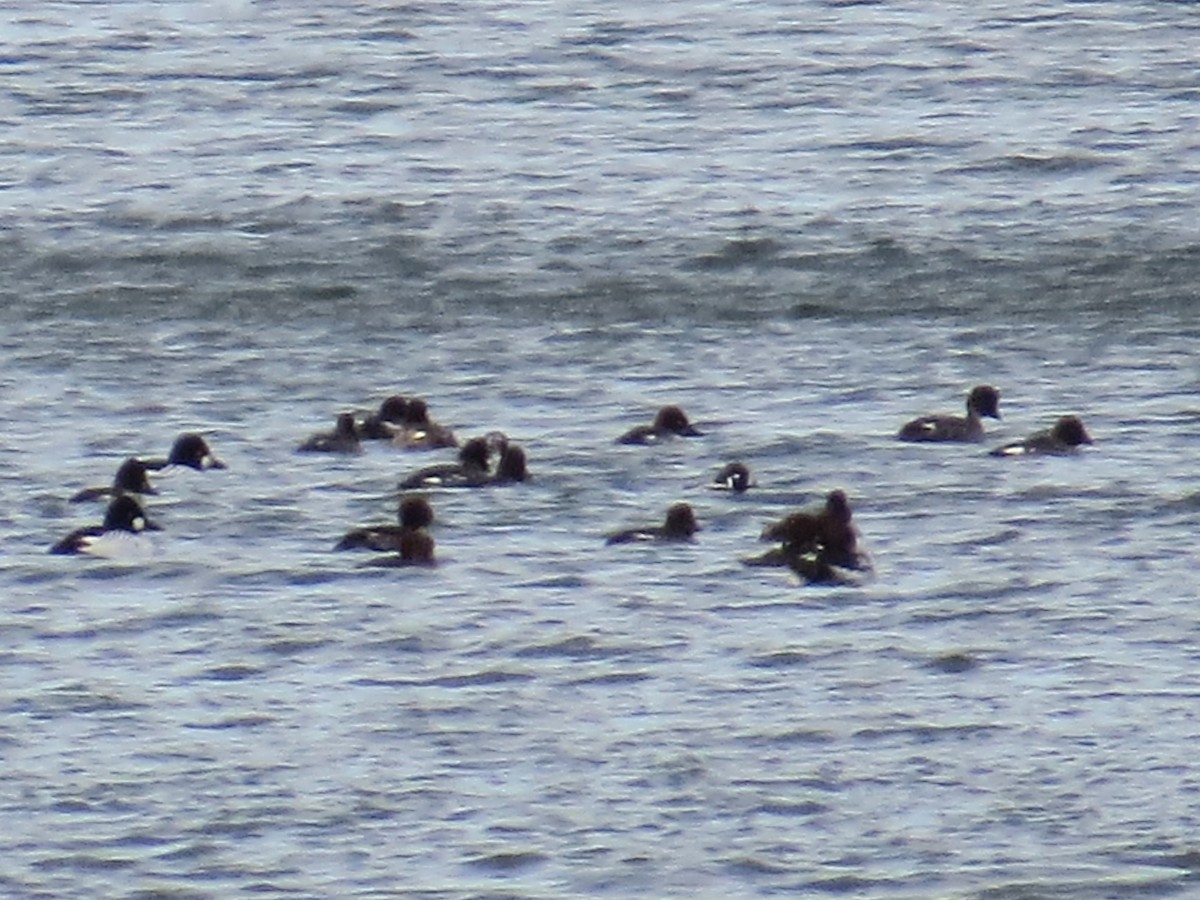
[191,451]
[121,536]
[732,477]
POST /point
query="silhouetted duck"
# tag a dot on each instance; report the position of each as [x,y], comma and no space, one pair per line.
[131,478]
[386,422]
[471,470]
[732,477]
[189,450]
[983,400]
[419,432]
[680,525]
[1065,438]
[120,535]
[415,513]
[343,438]
[670,422]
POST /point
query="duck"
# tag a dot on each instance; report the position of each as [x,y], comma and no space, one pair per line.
[121,535]
[511,466]
[983,400]
[419,432]
[679,525]
[189,450]
[343,438]
[1064,438]
[415,513]
[670,422]
[732,477]
[132,478]
[471,470]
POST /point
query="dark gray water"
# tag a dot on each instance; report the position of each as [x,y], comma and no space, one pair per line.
[805,223]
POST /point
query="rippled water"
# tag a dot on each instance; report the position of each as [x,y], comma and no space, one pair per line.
[803,223]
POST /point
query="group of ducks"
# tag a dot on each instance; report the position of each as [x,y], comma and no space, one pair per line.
[820,546]
[404,423]
[1063,438]
[125,516]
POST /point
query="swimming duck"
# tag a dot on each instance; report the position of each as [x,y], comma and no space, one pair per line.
[680,525]
[984,400]
[189,450]
[670,422]
[1063,439]
[732,477]
[419,432]
[343,438]
[121,534]
[131,478]
[415,513]
[471,470]
[510,468]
